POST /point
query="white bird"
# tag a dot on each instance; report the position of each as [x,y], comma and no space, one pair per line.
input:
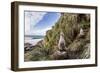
[81,32]
[61,44]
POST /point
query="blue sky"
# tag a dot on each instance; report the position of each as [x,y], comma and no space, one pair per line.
[37,23]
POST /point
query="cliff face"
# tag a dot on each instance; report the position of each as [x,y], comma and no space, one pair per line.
[70,25]
[78,46]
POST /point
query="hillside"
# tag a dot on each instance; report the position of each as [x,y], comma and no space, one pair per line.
[76,46]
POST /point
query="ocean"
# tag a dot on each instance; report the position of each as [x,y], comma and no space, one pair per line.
[33,39]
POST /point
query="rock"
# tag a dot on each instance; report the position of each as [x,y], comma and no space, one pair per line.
[58,55]
[28,46]
[86,52]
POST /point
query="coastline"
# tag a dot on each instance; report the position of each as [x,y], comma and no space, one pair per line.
[32,41]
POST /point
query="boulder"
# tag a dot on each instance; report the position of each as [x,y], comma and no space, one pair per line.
[58,55]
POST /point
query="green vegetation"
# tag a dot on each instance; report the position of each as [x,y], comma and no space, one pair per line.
[78,46]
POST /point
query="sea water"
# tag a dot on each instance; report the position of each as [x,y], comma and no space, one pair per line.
[32,40]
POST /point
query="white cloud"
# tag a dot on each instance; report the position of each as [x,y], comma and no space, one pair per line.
[31,19]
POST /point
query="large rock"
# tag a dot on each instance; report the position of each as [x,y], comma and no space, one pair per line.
[58,55]
[28,46]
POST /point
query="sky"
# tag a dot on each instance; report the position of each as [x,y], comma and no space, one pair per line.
[37,23]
